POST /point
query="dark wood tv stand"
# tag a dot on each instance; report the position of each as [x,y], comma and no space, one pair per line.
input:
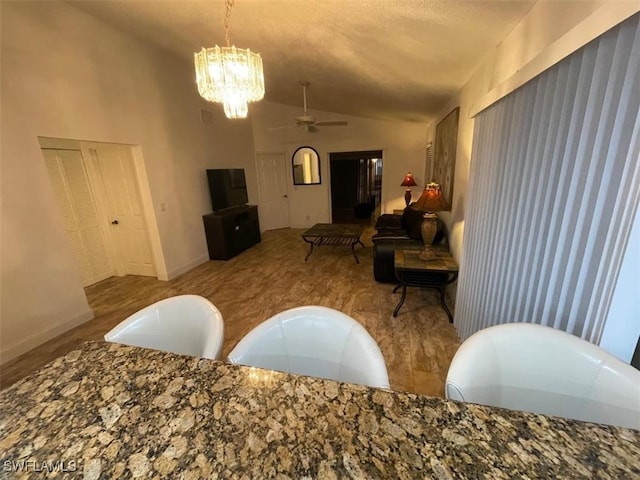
[231,231]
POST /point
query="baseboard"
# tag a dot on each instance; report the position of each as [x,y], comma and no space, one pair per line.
[39,338]
[305,226]
[184,269]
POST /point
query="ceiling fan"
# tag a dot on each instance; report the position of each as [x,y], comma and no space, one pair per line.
[308,122]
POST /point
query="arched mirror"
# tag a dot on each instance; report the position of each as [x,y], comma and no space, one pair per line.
[305,164]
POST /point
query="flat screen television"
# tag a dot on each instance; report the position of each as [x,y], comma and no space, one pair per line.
[228,187]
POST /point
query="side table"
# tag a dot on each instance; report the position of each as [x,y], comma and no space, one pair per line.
[437,273]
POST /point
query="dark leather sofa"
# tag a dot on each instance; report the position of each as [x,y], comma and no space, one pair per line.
[394,231]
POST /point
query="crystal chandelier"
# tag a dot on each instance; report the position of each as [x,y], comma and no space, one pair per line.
[229,75]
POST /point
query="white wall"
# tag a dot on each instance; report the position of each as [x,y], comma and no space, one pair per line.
[67,75]
[403,146]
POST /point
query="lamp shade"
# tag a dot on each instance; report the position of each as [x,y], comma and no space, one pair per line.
[408,181]
[431,199]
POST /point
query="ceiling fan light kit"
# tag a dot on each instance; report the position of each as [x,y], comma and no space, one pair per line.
[229,75]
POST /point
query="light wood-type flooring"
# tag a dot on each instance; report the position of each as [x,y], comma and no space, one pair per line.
[271,277]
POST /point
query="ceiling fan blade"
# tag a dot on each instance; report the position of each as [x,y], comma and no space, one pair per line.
[280,128]
[332,123]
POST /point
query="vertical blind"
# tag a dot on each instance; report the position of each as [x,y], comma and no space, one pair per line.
[554,186]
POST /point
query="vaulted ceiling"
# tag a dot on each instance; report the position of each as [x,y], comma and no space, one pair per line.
[388,59]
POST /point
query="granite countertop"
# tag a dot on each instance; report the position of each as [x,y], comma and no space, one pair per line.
[111,411]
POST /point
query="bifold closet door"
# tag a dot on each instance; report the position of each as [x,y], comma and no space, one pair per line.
[75,200]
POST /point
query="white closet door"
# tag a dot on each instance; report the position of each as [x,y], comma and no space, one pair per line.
[114,166]
[75,200]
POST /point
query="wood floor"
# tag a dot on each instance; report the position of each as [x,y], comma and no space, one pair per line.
[271,277]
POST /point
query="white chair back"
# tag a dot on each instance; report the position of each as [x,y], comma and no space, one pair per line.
[315,341]
[539,369]
[185,324]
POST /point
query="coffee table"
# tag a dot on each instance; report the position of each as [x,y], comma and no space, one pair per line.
[411,271]
[334,235]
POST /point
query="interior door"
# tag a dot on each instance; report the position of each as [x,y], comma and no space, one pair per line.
[272,183]
[115,172]
[76,201]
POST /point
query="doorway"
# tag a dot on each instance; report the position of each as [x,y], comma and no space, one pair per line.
[98,193]
[356,186]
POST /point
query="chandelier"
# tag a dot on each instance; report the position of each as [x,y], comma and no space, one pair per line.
[229,75]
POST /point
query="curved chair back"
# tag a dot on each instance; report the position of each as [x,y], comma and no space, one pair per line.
[185,324]
[315,341]
[539,369]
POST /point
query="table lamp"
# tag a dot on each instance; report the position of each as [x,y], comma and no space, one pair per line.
[408,182]
[430,201]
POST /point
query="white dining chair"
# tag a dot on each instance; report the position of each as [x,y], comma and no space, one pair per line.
[184,324]
[315,341]
[539,369]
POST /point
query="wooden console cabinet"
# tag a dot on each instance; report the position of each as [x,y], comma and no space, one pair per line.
[231,231]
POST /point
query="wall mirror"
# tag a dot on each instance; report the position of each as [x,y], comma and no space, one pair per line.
[305,164]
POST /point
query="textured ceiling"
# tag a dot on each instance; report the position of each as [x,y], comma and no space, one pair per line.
[390,59]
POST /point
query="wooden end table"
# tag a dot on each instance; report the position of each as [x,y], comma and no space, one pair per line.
[333,234]
[437,273]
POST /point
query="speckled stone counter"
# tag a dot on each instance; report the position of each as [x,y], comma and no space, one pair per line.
[111,411]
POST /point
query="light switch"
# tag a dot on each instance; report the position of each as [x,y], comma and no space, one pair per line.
[163,206]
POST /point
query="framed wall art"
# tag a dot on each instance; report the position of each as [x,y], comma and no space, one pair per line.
[444,161]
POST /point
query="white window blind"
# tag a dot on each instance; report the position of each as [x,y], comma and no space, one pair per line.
[554,186]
